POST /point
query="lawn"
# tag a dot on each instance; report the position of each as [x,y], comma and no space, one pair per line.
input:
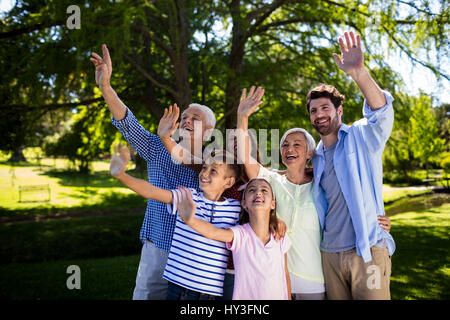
[104,279]
[70,190]
[421,263]
[98,230]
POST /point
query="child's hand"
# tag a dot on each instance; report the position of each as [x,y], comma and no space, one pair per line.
[385,223]
[281,230]
[168,123]
[103,67]
[119,160]
[249,103]
[186,206]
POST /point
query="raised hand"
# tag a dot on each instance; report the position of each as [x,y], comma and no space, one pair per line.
[168,123]
[103,67]
[250,102]
[119,160]
[352,58]
[186,205]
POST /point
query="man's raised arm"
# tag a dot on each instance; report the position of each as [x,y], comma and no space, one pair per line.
[352,63]
[103,71]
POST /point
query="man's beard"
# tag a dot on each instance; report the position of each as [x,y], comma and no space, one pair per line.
[333,125]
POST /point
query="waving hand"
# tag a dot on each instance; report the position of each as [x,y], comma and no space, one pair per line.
[250,102]
[352,58]
[103,67]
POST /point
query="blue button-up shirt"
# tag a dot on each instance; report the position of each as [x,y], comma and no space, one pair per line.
[358,166]
[164,173]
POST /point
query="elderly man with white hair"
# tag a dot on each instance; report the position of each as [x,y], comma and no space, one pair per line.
[197,123]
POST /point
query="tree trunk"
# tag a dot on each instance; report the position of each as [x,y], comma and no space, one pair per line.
[180,37]
[232,91]
[17,155]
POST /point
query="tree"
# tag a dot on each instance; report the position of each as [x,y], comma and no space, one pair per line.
[442,114]
[83,138]
[424,135]
[167,51]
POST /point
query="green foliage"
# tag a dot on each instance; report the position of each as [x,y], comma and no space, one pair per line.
[195,51]
[416,140]
[424,135]
[88,136]
[445,164]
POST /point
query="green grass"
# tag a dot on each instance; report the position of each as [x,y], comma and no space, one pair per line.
[70,238]
[70,190]
[415,177]
[35,255]
[391,194]
[105,279]
[413,202]
[421,263]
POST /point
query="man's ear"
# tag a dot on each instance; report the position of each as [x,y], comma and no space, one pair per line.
[340,111]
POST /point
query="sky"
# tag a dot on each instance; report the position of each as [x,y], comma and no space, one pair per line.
[416,77]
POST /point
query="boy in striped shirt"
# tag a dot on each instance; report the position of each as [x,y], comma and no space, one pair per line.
[196,265]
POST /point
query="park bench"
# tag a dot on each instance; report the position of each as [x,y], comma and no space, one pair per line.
[37,190]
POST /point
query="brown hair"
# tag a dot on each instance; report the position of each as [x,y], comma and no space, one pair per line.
[222,156]
[273,220]
[325,91]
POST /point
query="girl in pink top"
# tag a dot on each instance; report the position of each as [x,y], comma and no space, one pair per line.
[259,259]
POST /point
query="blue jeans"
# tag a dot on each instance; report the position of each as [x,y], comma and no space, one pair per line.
[150,284]
[176,292]
[228,287]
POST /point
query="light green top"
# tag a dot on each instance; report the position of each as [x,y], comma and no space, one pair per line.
[295,206]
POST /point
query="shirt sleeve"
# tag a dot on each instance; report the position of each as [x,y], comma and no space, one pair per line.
[378,123]
[236,244]
[139,138]
[286,244]
[172,208]
[266,173]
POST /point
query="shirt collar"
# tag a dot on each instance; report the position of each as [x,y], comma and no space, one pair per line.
[342,130]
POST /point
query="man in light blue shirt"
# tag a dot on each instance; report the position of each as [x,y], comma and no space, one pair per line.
[348,183]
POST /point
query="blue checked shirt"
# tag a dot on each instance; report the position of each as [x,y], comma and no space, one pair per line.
[158,226]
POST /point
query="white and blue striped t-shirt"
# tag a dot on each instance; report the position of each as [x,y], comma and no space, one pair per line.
[196,262]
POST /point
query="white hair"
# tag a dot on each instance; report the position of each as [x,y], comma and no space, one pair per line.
[210,118]
[311,144]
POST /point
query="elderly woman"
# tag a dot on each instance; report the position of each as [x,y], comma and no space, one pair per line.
[295,203]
